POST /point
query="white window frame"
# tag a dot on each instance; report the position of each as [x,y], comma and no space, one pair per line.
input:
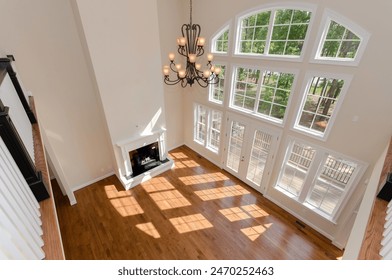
[211,87]
[272,7]
[305,88]
[215,37]
[207,128]
[210,129]
[329,16]
[315,169]
[196,124]
[254,113]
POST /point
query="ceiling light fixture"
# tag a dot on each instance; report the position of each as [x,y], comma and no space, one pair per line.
[191,46]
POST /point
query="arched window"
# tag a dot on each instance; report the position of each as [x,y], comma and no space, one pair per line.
[340,41]
[275,32]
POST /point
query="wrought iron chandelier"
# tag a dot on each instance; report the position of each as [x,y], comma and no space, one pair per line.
[191,46]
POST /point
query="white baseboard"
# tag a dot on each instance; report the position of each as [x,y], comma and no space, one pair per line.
[330,237]
[74,189]
[176,146]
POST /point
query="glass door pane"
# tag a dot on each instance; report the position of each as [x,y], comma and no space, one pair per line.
[258,157]
[236,141]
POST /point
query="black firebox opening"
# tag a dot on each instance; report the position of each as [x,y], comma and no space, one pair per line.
[145,158]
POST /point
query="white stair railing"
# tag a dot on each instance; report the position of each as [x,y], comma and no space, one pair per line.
[386,242]
[20,223]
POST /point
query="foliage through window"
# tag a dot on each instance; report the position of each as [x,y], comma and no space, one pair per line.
[319,104]
[319,182]
[277,32]
[217,90]
[221,43]
[245,89]
[270,100]
[339,42]
[275,92]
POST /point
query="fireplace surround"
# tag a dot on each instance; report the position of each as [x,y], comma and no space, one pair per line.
[143,157]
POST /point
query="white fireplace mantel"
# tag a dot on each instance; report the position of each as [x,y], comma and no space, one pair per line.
[134,143]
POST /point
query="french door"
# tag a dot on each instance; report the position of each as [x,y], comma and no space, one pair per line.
[250,151]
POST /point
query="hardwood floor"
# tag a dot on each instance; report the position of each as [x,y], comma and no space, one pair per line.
[194,211]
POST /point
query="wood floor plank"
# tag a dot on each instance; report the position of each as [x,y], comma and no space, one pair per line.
[194,211]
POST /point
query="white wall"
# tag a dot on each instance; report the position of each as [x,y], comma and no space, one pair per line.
[357,235]
[368,98]
[171,16]
[42,36]
[122,38]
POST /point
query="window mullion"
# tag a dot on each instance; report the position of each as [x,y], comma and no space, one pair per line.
[258,91]
[269,34]
[312,175]
[207,127]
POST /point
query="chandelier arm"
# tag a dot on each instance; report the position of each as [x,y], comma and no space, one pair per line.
[200,51]
[181,50]
[184,82]
[171,82]
[204,84]
[173,67]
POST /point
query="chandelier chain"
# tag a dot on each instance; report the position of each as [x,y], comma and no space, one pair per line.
[190,15]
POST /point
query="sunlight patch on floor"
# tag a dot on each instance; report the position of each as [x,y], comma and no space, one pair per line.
[179,155]
[149,229]
[157,184]
[186,164]
[112,192]
[203,178]
[234,214]
[169,199]
[190,223]
[255,211]
[126,206]
[223,192]
[254,232]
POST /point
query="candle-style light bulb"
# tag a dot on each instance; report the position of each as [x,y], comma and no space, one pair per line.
[171,57]
[206,73]
[166,70]
[192,58]
[210,57]
[181,41]
[201,41]
[217,71]
[198,66]
[178,67]
[181,74]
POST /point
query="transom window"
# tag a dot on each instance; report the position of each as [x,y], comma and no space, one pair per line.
[317,178]
[339,42]
[278,32]
[221,43]
[265,95]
